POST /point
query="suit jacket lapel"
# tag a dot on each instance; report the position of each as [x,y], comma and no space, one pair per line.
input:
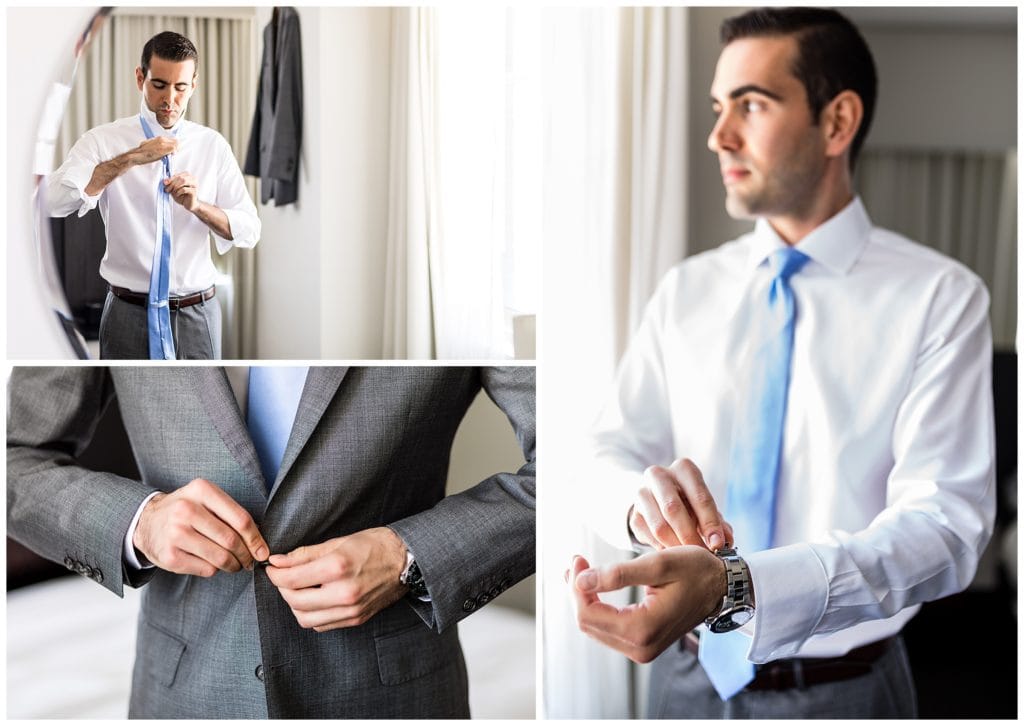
[219,400]
[321,385]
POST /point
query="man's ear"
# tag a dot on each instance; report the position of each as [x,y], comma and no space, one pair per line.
[840,120]
[139,77]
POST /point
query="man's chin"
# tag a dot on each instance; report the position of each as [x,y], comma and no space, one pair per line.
[739,208]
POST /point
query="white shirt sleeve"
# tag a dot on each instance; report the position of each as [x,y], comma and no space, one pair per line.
[233,198]
[65,188]
[940,508]
[137,562]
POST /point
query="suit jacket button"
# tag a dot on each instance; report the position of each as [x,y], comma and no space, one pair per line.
[505,584]
[98,575]
[494,592]
[482,599]
[69,563]
[259,671]
[469,606]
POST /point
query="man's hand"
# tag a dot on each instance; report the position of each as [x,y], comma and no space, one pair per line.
[341,582]
[674,507]
[683,586]
[198,530]
[147,152]
[153,149]
[184,189]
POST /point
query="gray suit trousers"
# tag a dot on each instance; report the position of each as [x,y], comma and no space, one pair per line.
[124,331]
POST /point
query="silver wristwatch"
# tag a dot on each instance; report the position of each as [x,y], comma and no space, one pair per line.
[738,604]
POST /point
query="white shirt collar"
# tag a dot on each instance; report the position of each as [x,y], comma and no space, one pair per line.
[837,243]
[155,126]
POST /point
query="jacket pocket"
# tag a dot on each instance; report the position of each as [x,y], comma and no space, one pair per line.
[161,654]
[413,652]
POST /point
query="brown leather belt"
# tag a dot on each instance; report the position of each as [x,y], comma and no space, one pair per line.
[779,675]
[175,303]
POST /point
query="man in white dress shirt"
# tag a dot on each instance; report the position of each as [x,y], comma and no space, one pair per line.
[120,167]
[885,491]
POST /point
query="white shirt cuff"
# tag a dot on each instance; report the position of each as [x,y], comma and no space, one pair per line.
[790,593]
[133,560]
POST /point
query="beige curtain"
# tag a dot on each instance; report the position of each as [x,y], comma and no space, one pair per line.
[413,205]
[614,223]
[961,203]
[105,90]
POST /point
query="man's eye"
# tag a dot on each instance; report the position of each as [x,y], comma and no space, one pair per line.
[158,86]
[180,87]
[753,105]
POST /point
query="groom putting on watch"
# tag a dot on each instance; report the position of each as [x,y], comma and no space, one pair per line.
[828,382]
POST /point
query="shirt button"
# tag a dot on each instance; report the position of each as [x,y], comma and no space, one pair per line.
[259,671]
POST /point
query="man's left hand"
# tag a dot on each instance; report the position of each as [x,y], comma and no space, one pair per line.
[342,582]
[683,586]
[184,189]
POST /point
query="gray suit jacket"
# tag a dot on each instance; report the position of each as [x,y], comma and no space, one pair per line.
[276,136]
[369,446]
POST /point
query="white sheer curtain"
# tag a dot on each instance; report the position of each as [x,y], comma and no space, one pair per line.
[105,90]
[614,222]
[464,209]
[959,202]
[413,213]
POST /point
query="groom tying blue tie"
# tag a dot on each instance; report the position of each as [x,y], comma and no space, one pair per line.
[162,185]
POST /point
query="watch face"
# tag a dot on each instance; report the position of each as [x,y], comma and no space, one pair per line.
[741,617]
[732,619]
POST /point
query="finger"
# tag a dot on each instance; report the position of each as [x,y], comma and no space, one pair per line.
[641,531]
[701,502]
[234,515]
[184,563]
[580,598]
[298,556]
[223,536]
[310,574]
[674,508]
[646,570]
[330,616]
[198,545]
[649,509]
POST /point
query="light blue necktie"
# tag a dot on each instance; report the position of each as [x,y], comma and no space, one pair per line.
[161,340]
[754,459]
[274,393]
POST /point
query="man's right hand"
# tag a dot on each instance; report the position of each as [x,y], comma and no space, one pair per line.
[153,149]
[198,530]
[673,506]
[147,152]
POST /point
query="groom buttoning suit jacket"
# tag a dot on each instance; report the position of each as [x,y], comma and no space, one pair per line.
[369,448]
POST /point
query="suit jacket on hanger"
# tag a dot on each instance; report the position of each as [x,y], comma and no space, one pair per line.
[276,136]
[369,447]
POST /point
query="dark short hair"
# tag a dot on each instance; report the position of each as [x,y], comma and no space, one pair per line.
[832,56]
[169,46]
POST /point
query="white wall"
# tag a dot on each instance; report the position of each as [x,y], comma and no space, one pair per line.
[320,262]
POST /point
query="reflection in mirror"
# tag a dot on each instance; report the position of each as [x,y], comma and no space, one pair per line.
[51,265]
[106,89]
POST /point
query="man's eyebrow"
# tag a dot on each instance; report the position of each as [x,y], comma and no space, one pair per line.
[753,88]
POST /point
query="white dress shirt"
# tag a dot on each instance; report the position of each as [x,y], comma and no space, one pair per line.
[128,205]
[886,493]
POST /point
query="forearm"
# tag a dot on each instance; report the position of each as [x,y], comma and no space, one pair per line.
[214,218]
[107,171]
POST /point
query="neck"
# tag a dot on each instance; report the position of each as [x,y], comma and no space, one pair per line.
[834,193]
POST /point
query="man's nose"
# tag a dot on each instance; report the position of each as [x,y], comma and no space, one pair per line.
[724,135]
